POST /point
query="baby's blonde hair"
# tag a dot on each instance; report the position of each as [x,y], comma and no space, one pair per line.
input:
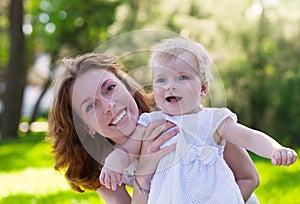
[186,50]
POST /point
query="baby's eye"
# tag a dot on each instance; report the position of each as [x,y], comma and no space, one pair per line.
[183,77]
[110,88]
[161,80]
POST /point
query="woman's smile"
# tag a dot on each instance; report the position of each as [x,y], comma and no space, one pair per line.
[118,118]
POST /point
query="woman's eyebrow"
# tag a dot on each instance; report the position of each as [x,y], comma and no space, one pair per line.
[91,97]
[85,101]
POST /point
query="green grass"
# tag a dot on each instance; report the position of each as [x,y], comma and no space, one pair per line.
[278,184]
[27,176]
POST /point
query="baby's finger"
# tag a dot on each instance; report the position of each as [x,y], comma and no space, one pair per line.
[276,158]
[101,178]
[107,182]
[284,158]
[292,156]
[121,181]
[113,183]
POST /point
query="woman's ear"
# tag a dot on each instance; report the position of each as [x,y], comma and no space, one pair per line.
[90,131]
[204,88]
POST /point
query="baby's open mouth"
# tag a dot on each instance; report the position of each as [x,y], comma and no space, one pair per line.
[173,98]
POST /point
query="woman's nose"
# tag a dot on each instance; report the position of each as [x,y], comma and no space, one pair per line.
[107,105]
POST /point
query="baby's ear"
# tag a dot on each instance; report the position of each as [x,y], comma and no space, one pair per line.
[204,88]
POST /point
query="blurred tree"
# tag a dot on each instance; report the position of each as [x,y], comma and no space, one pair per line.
[58,28]
[3,37]
[261,80]
[67,28]
[16,72]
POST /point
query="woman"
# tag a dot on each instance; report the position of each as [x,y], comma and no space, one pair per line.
[84,108]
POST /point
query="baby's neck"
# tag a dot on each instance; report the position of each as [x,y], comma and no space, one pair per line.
[186,113]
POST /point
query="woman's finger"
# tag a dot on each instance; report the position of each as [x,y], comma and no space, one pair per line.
[163,152]
[156,131]
[152,126]
[165,137]
[148,162]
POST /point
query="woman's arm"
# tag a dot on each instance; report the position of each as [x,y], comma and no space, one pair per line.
[243,168]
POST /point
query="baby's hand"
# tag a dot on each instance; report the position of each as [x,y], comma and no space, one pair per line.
[283,156]
[110,179]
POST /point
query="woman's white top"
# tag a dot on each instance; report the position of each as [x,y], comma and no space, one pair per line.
[196,172]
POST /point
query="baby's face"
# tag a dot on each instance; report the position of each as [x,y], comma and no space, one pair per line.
[177,87]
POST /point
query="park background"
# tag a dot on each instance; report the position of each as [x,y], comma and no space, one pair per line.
[255,45]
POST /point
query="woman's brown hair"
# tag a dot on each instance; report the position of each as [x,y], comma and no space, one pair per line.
[70,155]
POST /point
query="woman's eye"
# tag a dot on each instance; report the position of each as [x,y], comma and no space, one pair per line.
[90,106]
[183,77]
[110,88]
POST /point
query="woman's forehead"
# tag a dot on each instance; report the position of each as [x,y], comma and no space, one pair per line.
[94,77]
[87,84]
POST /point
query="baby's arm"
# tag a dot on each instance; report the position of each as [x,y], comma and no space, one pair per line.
[257,142]
[120,159]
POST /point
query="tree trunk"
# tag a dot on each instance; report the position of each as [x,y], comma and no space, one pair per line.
[35,111]
[16,72]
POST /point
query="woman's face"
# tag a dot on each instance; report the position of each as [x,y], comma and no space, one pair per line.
[105,104]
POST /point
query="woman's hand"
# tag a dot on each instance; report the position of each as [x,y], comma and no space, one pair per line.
[150,155]
[151,152]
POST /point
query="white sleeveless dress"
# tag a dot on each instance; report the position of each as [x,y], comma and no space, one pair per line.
[196,172]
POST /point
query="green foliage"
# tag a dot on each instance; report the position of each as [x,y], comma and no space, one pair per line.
[263,86]
[70,25]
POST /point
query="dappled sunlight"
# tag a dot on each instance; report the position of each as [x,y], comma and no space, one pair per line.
[33,127]
[41,185]
[35,181]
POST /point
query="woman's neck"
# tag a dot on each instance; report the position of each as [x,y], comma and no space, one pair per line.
[120,140]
